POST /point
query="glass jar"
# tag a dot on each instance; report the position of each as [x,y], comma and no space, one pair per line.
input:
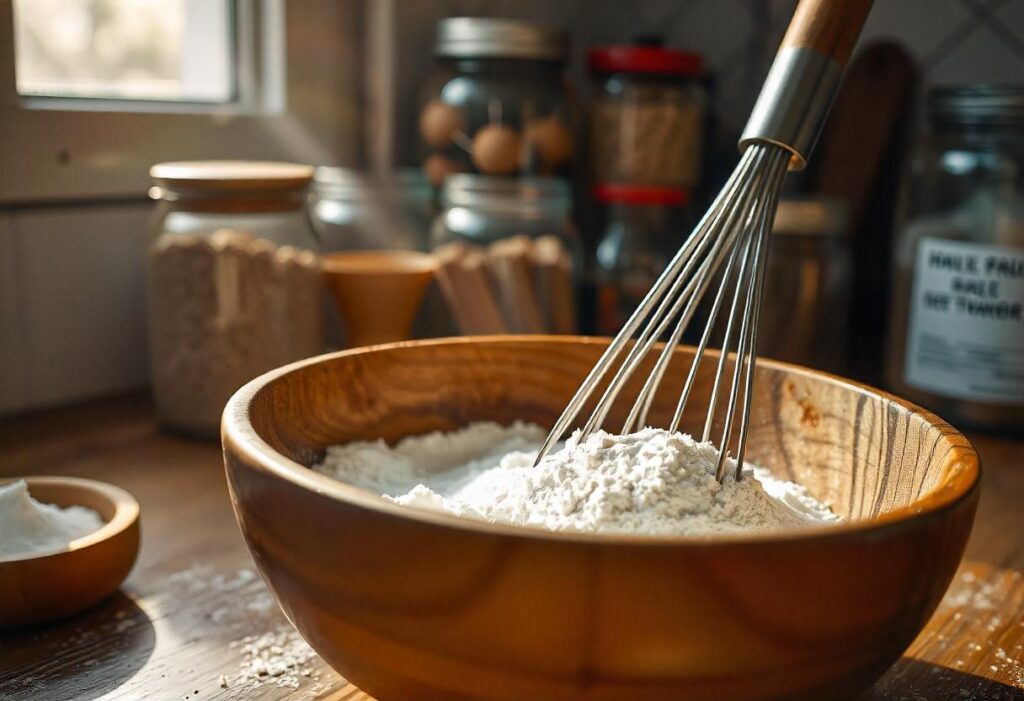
[497,103]
[354,212]
[957,335]
[509,257]
[646,115]
[808,279]
[234,283]
[642,229]
[479,210]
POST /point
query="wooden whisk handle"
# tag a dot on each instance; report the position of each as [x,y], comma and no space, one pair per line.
[830,27]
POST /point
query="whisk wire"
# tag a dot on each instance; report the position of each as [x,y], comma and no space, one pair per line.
[724,249]
[731,234]
[668,309]
[758,284]
[659,288]
[745,351]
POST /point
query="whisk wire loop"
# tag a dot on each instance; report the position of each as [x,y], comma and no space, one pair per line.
[733,233]
[659,288]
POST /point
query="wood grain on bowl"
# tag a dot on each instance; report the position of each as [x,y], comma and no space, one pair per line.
[410,604]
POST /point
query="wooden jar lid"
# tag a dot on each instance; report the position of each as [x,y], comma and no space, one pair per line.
[231,175]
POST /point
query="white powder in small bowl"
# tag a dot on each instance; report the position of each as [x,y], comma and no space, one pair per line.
[29,527]
[649,482]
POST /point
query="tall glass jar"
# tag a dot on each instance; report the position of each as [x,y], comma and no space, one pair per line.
[497,103]
[234,283]
[957,331]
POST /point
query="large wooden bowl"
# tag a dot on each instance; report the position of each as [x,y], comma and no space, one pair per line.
[410,604]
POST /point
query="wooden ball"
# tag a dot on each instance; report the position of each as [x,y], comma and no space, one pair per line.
[439,122]
[439,167]
[496,149]
[550,139]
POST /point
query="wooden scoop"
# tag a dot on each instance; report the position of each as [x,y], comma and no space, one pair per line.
[378,292]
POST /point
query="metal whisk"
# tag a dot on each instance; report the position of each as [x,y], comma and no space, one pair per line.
[732,237]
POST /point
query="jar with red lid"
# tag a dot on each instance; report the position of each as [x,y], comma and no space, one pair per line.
[646,114]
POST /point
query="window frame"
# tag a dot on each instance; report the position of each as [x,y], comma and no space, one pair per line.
[68,149]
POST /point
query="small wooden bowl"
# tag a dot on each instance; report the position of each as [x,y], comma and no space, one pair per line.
[412,604]
[52,585]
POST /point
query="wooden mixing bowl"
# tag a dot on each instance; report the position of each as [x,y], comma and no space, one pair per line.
[410,604]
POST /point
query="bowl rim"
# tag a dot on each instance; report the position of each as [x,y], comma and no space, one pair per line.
[238,434]
[126,513]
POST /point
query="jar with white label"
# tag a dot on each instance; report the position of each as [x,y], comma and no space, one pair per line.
[957,326]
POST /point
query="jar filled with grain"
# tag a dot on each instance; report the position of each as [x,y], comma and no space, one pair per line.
[646,115]
[234,283]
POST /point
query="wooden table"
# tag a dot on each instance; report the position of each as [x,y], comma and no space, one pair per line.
[178,628]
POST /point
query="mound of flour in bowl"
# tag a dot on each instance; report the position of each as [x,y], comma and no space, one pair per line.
[649,482]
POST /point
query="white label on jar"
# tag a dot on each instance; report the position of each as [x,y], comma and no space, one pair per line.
[965,334]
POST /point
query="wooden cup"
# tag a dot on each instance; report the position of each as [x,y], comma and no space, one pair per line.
[378,292]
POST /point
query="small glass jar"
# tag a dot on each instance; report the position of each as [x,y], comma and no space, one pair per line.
[646,115]
[354,212]
[642,229]
[497,103]
[956,341]
[234,283]
[479,210]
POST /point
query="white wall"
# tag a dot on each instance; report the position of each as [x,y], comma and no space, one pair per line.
[72,303]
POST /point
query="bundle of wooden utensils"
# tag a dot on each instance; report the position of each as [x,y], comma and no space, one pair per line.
[515,285]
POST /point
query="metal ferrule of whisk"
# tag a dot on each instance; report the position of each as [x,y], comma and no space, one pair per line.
[729,247]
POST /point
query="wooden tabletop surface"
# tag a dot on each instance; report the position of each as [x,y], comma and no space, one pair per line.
[192,617]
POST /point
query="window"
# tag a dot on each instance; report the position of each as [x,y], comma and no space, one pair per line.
[93,92]
[163,50]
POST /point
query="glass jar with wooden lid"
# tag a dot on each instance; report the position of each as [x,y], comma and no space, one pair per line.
[234,283]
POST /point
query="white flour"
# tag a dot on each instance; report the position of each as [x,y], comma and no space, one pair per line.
[29,527]
[282,656]
[649,482]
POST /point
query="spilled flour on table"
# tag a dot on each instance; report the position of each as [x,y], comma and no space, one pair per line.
[281,657]
[648,482]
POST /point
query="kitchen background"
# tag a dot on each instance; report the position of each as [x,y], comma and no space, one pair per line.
[73,210]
